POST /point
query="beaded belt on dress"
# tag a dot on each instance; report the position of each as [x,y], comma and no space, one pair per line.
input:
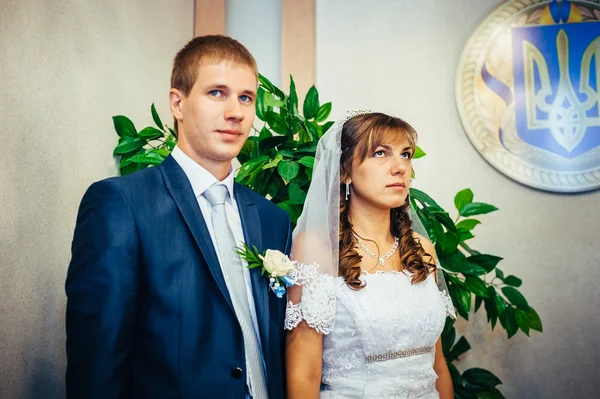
[396,355]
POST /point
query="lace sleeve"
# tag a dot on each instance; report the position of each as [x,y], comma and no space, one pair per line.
[315,298]
[444,293]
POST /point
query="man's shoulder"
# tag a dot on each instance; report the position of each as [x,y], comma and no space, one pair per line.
[145,179]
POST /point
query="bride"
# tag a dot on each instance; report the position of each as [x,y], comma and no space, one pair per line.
[367,312]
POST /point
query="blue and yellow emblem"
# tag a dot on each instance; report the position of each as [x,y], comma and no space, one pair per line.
[528,92]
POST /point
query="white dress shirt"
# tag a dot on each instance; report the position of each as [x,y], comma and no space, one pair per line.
[201,179]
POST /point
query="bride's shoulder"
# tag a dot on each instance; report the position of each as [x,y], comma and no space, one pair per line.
[425,243]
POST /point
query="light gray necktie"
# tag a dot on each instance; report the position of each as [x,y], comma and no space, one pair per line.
[233,272]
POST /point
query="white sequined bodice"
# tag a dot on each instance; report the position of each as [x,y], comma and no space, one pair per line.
[388,316]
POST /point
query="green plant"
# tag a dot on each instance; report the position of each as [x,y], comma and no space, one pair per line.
[277,162]
[148,147]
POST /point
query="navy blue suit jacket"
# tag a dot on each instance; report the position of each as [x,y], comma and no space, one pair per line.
[148,311]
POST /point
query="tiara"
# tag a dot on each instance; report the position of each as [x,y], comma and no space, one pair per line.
[357,112]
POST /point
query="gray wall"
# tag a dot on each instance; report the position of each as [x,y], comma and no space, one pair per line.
[66,66]
[401,57]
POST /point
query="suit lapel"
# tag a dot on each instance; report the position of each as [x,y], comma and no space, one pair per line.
[181,190]
[252,236]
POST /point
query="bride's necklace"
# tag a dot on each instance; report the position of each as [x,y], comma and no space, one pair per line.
[382,259]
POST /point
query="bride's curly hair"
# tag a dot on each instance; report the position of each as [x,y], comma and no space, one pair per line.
[361,135]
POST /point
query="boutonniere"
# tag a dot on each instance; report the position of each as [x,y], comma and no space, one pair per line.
[275,265]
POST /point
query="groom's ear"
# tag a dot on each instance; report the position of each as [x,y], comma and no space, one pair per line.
[176,98]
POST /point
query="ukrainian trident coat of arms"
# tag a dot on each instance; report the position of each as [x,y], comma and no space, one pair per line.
[528,92]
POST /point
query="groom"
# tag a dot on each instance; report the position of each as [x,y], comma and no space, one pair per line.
[159,304]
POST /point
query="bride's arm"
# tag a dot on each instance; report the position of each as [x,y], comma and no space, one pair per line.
[304,350]
[444,381]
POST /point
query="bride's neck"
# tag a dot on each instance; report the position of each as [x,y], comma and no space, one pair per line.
[370,222]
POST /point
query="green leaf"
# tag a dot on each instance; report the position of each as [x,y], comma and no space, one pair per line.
[307,161]
[490,307]
[461,299]
[269,143]
[147,159]
[130,168]
[447,243]
[513,281]
[498,301]
[271,101]
[462,392]
[270,86]
[292,210]
[488,262]
[311,103]
[500,274]
[476,208]
[535,323]
[478,303]
[464,235]
[419,153]
[288,170]
[448,339]
[261,108]
[264,133]
[476,286]
[515,298]
[323,113]
[170,144]
[297,195]
[164,152]
[124,126]
[459,348]
[458,263]
[276,122]
[493,393]
[423,198]
[448,325]
[150,133]
[249,150]
[463,198]
[445,219]
[307,148]
[522,320]
[312,131]
[468,224]
[481,377]
[128,144]
[273,163]
[457,380]
[156,117]
[293,98]
[326,127]
[249,167]
[510,322]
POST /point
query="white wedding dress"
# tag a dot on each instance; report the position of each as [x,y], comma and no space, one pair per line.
[379,341]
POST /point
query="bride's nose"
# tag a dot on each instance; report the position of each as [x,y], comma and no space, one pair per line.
[399,167]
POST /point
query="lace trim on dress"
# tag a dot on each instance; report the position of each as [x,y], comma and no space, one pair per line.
[317,305]
[450,312]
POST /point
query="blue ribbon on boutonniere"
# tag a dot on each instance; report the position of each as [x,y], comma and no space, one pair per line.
[274,264]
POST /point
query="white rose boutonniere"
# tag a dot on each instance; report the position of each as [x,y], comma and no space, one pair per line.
[275,264]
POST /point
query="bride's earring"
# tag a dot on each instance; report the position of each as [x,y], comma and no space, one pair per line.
[347,190]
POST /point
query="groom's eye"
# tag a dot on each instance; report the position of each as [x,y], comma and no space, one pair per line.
[216,93]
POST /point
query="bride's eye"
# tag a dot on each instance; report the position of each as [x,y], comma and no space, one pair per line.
[406,155]
[379,154]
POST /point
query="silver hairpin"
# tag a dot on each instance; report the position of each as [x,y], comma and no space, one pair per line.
[356,112]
